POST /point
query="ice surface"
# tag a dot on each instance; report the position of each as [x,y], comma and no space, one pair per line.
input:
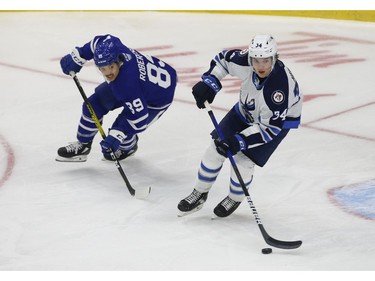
[80,216]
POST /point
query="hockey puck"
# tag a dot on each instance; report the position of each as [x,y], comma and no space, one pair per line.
[266,251]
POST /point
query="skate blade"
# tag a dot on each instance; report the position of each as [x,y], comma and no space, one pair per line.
[81,158]
[215,217]
[183,214]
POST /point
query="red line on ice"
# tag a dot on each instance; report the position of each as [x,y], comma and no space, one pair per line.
[10,160]
[184,101]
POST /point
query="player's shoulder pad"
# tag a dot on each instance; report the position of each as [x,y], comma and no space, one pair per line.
[239,57]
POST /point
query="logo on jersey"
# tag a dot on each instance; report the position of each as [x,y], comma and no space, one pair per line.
[127,57]
[278,97]
[244,52]
[247,107]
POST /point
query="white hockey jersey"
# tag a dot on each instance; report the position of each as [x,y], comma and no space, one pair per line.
[267,107]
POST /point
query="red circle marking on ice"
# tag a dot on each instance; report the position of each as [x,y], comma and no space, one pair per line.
[10,160]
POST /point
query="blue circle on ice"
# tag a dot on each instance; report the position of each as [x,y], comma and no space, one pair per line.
[357,198]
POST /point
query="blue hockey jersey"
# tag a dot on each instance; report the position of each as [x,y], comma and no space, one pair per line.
[144,84]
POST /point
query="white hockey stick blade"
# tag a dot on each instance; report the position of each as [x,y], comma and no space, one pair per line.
[142,193]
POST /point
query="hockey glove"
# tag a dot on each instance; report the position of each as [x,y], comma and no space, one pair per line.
[206,90]
[72,62]
[233,144]
[112,141]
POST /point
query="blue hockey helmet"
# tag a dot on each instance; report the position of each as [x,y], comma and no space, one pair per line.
[106,52]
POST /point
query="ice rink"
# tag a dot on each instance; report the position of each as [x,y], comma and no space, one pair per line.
[318,187]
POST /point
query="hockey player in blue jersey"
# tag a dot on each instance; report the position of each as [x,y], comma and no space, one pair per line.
[269,106]
[143,86]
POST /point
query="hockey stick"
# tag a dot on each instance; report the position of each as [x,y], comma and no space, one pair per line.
[269,240]
[139,194]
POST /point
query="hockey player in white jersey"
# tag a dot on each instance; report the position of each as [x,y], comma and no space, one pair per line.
[269,106]
[142,86]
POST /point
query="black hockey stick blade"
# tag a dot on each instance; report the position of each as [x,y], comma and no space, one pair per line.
[278,243]
[268,239]
[137,193]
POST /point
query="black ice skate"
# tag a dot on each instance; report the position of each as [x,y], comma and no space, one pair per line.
[226,207]
[194,202]
[121,154]
[74,152]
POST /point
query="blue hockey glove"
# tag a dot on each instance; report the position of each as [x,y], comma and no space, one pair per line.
[72,62]
[206,90]
[233,144]
[112,141]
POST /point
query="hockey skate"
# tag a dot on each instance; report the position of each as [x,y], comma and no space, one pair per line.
[121,154]
[226,207]
[74,152]
[193,203]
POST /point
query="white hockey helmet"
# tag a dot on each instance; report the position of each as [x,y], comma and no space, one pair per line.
[263,46]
